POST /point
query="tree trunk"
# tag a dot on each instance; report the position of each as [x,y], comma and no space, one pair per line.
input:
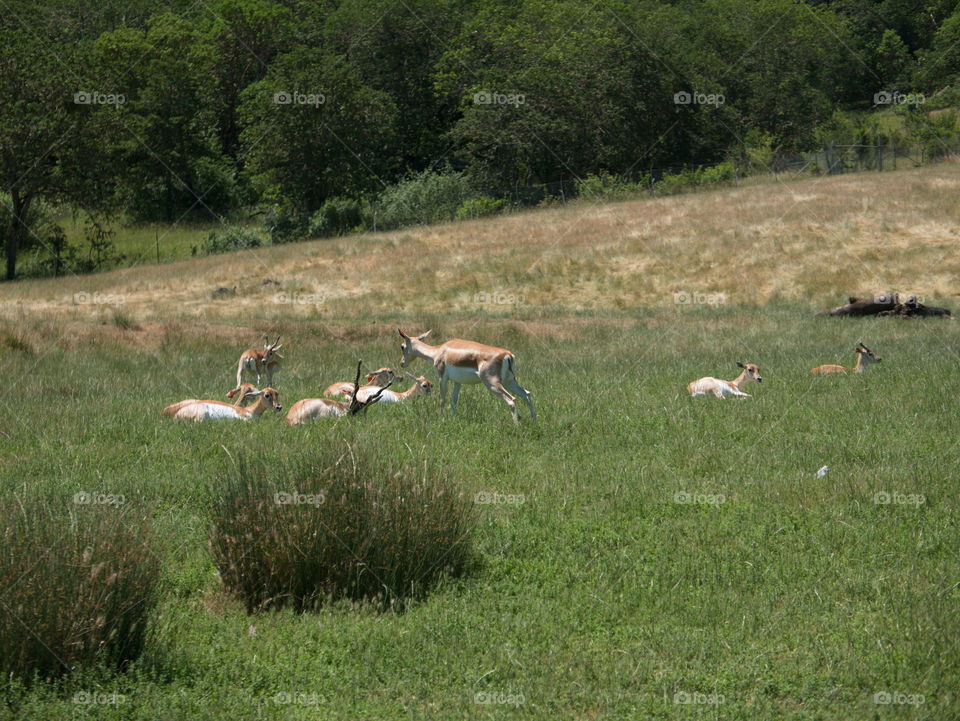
[18,225]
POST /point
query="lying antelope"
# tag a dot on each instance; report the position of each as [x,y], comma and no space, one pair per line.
[379,378]
[421,387]
[726,389]
[259,361]
[218,410]
[310,409]
[246,391]
[466,362]
[865,357]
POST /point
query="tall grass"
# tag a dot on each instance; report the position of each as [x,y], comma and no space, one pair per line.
[331,526]
[77,586]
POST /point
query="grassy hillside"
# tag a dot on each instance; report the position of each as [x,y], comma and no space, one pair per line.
[650,555]
[811,241]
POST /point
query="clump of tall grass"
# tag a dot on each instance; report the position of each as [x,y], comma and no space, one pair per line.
[327,527]
[77,589]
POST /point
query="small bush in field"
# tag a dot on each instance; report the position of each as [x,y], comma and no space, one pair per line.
[426,198]
[230,239]
[329,527]
[605,186]
[78,587]
[338,216]
[480,208]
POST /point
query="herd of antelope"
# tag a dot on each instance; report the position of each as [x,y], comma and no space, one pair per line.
[456,361]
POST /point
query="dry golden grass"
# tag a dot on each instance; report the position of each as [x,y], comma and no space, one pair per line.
[813,240]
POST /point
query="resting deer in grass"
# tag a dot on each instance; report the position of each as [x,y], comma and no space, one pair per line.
[311,409]
[259,361]
[726,389]
[218,410]
[865,357]
[247,391]
[466,362]
[421,387]
[379,378]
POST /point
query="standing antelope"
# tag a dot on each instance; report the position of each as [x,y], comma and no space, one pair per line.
[218,410]
[421,387]
[380,378]
[726,389]
[466,362]
[865,357]
[259,361]
[246,391]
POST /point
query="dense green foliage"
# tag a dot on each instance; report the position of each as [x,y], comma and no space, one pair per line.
[198,111]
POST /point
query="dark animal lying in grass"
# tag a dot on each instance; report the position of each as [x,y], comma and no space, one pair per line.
[887,304]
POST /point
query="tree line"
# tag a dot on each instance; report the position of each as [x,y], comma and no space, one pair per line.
[197,110]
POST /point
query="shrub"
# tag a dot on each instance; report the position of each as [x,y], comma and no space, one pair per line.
[78,588]
[692,178]
[605,186]
[426,198]
[284,225]
[224,241]
[338,216]
[480,208]
[324,527]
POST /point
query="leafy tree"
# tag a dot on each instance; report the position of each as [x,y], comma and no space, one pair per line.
[313,129]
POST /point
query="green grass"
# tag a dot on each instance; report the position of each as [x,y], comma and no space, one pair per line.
[597,596]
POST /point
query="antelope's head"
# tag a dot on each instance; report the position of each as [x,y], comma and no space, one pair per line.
[381,376]
[866,354]
[751,370]
[424,387]
[269,397]
[406,347]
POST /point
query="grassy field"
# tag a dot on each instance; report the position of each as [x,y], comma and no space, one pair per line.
[645,554]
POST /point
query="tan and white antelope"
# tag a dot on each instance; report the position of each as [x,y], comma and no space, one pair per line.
[246,391]
[310,409]
[465,362]
[726,389]
[865,357]
[218,410]
[380,378]
[421,387]
[255,360]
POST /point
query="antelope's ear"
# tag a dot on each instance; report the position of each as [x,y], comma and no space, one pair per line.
[402,334]
[410,376]
[740,365]
[424,335]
